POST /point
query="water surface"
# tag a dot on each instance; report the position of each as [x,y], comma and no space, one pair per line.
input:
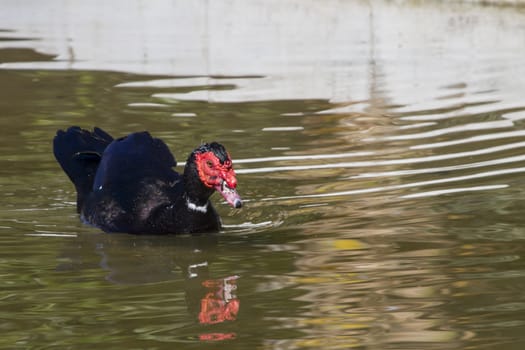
[379,148]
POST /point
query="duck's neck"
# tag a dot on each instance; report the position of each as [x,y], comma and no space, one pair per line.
[192,206]
[196,195]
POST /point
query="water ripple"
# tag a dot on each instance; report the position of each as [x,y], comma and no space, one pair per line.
[454,129]
[454,190]
[471,139]
[373,163]
[482,164]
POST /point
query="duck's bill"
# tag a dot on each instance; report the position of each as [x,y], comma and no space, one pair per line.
[230,194]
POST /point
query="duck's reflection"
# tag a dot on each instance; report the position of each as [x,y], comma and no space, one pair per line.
[220,303]
[137,260]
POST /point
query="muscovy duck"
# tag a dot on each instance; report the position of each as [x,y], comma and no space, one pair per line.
[128,184]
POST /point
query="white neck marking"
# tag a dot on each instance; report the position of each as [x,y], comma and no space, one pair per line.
[199,208]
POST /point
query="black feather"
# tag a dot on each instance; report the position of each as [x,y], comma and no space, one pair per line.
[129,185]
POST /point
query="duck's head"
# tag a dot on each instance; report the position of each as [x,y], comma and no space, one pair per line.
[214,167]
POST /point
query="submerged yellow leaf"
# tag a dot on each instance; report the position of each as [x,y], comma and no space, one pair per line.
[348,244]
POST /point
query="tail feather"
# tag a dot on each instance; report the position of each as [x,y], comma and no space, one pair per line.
[79,152]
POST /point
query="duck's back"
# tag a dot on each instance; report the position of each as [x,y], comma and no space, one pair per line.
[130,159]
[134,180]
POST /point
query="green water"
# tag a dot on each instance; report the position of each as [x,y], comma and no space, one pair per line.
[387,221]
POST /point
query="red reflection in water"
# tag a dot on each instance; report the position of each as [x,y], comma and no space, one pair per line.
[217,336]
[220,303]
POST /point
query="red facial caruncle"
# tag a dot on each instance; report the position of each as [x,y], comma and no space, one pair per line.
[217,175]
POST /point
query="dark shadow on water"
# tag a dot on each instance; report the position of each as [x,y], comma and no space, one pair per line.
[186,260]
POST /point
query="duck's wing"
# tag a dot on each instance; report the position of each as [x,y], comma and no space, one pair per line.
[135,170]
[79,153]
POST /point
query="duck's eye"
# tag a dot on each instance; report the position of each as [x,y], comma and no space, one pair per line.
[209,163]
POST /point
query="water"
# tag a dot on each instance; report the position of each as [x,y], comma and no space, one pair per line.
[378,146]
